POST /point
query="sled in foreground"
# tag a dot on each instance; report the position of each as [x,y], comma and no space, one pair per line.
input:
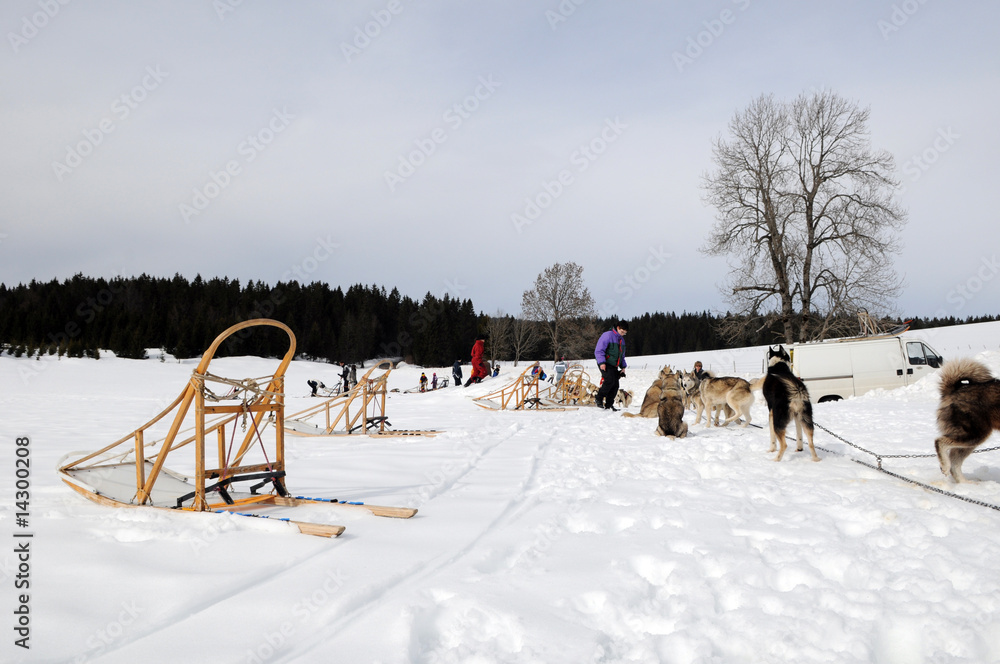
[250,471]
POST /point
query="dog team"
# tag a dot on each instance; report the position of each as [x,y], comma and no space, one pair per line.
[968,413]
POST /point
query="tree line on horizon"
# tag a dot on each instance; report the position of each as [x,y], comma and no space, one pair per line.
[81,316]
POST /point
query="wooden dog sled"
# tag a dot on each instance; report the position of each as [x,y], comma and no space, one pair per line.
[360,410]
[249,473]
[527,392]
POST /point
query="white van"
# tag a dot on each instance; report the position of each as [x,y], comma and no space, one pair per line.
[839,368]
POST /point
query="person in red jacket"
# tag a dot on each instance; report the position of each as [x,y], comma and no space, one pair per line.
[478,369]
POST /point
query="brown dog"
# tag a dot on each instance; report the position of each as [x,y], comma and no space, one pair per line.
[968,413]
[725,391]
[671,409]
[651,400]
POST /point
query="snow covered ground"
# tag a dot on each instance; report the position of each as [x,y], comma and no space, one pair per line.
[574,536]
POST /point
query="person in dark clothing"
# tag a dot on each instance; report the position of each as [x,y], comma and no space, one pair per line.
[700,373]
[345,376]
[456,372]
[315,385]
[610,356]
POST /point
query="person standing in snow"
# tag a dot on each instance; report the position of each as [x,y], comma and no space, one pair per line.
[558,370]
[478,370]
[345,376]
[423,382]
[456,372]
[354,375]
[610,356]
[434,381]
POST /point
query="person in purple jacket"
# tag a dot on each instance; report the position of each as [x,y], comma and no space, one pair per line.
[610,355]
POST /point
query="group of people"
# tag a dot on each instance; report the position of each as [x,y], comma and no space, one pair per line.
[609,353]
[423,382]
[348,379]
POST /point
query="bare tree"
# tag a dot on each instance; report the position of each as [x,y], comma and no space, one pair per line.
[524,337]
[561,301]
[498,327]
[806,215]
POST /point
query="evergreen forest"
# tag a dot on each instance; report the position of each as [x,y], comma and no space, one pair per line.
[81,316]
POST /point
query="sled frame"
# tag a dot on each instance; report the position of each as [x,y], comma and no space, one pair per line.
[524,393]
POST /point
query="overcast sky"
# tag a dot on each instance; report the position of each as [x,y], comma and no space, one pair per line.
[401,143]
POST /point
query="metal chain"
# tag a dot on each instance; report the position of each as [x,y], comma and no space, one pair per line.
[879,457]
[879,467]
[928,486]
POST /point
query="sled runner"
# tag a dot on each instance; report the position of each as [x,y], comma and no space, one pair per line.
[250,472]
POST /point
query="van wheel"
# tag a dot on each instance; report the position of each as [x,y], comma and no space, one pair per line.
[829,397]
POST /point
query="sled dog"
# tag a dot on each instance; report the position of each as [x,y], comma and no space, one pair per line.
[689,383]
[651,400]
[623,399]
[670,409]
[968,413]
[724,391]
[787,399]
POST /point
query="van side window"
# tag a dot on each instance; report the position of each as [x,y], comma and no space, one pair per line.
[915,351]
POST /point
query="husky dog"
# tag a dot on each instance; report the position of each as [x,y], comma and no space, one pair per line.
[670,410]
[651,400]
[727,391]
[623,399]
[689,383]
[968,414]
[787,399]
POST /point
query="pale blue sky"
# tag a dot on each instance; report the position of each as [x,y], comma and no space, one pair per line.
[265,140]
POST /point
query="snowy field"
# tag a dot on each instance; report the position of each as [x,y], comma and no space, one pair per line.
[574,536]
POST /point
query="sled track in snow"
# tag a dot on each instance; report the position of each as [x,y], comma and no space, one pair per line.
[189,611]
[375,596]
